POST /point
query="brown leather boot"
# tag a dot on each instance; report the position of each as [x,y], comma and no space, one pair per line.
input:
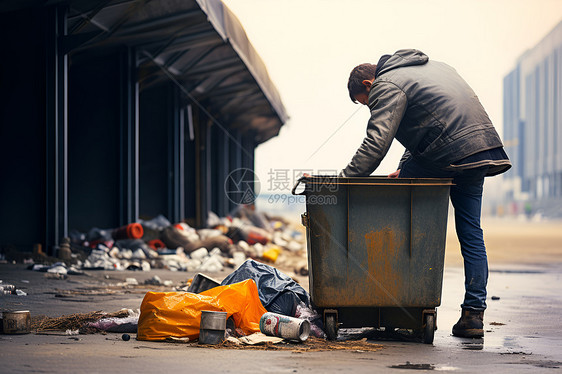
[470,325]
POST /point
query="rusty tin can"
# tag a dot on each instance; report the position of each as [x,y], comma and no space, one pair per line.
[285,327]
[18,322]
[212,327]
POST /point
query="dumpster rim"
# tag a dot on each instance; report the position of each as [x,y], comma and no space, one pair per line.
[376,181]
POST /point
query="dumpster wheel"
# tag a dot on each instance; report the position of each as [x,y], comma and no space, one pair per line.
[429,328]
[331,326]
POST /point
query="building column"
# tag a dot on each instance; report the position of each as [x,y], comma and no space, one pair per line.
[129,137]
[235,160]
[223,151]
[56,220]
[203,169]
[176,157]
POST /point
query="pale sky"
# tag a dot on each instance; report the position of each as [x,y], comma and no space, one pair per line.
[310,47]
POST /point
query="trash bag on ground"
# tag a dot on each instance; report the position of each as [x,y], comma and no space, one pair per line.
[309,314]
[278,292]
[178,314]
[114,324]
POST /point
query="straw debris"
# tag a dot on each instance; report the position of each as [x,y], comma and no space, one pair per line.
[312,344]
[77,321]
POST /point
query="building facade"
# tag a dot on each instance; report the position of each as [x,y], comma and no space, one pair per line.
[533,129]
[111,111]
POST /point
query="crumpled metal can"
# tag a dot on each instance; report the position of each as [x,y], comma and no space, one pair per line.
[285,327]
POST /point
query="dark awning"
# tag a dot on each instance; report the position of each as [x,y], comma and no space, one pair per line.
[199,44]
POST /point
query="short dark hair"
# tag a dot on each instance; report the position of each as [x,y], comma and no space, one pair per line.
[358,75]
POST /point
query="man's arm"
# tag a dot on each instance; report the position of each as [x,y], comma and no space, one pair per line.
[387,109]
[403,159]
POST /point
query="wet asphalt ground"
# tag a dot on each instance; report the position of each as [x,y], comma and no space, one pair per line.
[523,331]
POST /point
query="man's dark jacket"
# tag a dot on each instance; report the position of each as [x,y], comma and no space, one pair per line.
[427,107]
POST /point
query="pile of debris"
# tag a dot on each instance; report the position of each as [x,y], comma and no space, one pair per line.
[157,243]
[259,306]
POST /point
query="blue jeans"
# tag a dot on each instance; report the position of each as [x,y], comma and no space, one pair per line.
[466,197]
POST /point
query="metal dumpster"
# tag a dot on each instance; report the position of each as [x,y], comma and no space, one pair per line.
[376,248]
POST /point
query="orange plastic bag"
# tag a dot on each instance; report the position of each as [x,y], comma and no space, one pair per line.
[178,314]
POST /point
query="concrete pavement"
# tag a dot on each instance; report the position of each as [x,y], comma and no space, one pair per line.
[523,331]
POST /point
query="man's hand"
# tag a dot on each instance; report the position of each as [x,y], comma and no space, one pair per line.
[395,174]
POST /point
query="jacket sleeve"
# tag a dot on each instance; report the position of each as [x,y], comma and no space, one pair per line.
[387,104]
[407,155]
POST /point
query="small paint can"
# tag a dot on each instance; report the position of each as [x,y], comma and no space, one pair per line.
[285,327]
[212,327]
[18,322]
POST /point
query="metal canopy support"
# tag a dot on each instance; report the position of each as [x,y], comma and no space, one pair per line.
[217,66]
[206,176]
[198,59]
[176,156]
[133,8]
[241,102]
[91,9]
[129,134]
[173,59]
[180,161]
[235,153]
[203,169]
[234,90]
[194,40]
[56,221]
[223,171]
[190,17]
[248,156]
[87,18]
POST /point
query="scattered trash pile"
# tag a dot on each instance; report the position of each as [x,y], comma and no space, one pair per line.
[157,243]
[248,297]
[256,304]
[125,322]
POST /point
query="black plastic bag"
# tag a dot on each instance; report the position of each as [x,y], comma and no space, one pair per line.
[278,292]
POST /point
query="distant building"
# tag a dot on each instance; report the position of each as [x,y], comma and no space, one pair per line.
[116,110]
[533,129]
